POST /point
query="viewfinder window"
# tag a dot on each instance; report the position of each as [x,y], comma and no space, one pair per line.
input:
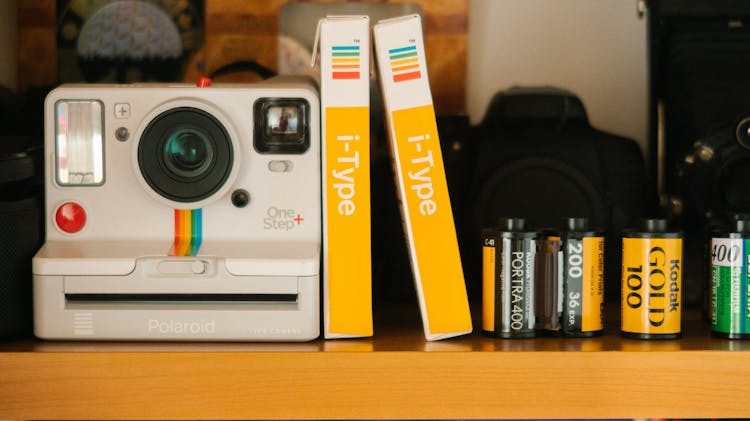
[281,125]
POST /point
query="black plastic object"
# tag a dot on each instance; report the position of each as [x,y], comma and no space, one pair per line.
[21,233]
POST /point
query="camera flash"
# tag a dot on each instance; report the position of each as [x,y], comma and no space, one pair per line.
[79,153]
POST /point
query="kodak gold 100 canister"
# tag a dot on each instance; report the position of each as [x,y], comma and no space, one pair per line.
[652,281]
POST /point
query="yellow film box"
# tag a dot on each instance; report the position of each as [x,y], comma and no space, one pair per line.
[420,178]
[345,103]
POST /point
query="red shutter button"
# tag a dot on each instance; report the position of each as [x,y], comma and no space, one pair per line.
[70,217]
[203,82]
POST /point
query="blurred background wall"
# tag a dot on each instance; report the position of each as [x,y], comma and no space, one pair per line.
[595,48]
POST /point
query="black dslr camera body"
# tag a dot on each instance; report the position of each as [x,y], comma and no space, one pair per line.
[535,155]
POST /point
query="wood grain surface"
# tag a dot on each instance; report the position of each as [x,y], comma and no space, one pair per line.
[395,375]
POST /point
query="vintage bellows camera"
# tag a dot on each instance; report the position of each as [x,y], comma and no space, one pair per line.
[699,90]
[535,156]
[713,175]
[179,212]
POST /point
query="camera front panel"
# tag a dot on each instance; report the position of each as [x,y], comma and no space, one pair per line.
[136,157]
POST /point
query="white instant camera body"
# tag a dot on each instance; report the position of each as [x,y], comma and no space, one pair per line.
[175,212]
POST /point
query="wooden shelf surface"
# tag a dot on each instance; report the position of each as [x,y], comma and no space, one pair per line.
[394,375]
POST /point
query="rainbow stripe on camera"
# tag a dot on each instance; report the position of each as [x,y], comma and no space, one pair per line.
[188,232]
[404,63]
[345,63]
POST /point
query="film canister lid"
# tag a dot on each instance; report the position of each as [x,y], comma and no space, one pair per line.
[741,222]
[653,228]
[742,225]
[654,225]
[511,224]
[576,224]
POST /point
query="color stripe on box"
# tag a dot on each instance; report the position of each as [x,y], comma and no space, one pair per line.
[404,63]
[345,62]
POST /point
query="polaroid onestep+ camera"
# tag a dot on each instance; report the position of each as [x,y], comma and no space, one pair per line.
[181,213]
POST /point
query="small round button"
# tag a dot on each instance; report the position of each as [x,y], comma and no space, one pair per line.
[70,217]
[122,134]
[240,198]
[198,267]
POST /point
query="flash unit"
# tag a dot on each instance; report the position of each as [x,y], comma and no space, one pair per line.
[79,154]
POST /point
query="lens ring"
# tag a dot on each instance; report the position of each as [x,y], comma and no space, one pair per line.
[742,133]
[200,163]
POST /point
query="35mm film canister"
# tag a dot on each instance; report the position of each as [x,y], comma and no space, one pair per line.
[582,279]
[730,284]
[652,282]
[547,283]
[508,281]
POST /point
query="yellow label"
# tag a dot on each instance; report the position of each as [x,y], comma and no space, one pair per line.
[488,285]
[435,257]
[347,152]
[651,285]
[593,284]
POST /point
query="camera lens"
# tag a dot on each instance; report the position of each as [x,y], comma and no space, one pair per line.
[185,154]
[743,133]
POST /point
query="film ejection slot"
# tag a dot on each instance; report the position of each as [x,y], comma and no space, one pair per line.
[182,267]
